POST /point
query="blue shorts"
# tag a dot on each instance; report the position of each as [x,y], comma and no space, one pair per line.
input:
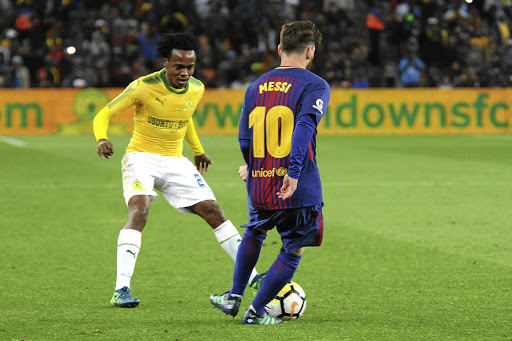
[298,227]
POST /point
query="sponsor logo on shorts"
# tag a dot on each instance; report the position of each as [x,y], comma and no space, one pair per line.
[200,180]
[269,173]
[137,186]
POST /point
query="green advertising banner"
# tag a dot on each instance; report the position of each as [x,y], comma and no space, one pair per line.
[350,112]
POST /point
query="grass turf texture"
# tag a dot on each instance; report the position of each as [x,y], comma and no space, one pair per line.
[417,245]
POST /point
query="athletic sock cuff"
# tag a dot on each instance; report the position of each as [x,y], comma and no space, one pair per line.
[225,231]
[290,259]
[129,236]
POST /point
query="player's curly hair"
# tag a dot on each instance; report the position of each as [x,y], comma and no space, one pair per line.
[179,41]
[297,35]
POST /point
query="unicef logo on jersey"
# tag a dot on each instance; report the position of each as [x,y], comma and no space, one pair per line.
[200,181]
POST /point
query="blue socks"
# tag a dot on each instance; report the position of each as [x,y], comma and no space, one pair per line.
[280,273]
[246,259]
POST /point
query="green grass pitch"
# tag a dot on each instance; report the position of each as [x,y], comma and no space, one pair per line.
[417,245]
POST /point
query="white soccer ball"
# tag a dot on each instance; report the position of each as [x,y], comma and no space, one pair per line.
[289,304]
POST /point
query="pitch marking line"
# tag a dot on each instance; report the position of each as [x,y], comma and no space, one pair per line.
[12,141]
[493,137]
[64,186]
[421,184]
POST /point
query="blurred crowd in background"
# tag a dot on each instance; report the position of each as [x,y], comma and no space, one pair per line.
[380,43]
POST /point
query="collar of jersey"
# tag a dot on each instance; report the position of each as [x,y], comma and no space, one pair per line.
[289,67]
[170,88]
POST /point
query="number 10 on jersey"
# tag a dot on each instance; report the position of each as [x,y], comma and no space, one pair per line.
[276,129]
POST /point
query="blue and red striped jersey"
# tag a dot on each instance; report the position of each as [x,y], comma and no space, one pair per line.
[277,136]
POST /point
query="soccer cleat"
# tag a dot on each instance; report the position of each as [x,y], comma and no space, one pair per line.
[229,305]
[123,299]
[256,283]
[251,317]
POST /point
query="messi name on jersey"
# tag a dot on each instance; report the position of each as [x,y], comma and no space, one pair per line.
[275,86]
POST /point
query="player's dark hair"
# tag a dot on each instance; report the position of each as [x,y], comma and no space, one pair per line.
[298,35]
[179,41]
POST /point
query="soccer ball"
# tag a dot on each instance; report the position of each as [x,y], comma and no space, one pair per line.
[289,304]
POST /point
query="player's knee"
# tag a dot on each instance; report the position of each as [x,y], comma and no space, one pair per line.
[299,252]
[210,210]
[257,234]
[290,259]
[138,217]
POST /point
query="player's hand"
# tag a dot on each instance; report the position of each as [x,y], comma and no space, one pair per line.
[242,171]
[105,148]
[202,162]
[288,188]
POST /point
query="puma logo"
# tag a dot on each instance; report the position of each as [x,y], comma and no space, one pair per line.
[159,100]
[135,255]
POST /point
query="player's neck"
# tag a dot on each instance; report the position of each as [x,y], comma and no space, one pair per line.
[294,61]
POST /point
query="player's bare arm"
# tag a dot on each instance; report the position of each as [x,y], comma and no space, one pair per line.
[202,162]
[105,148]
[242,172]
[288,188]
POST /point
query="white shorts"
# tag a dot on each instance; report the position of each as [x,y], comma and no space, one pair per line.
[176,177]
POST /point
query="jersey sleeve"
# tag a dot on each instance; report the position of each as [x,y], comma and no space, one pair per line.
[101,122]
[312,109]
[244,137]
[126,99]
[192,139]
[316,98]
[123,101]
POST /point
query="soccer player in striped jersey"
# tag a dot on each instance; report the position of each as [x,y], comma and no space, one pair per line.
[164,102]
[277,136]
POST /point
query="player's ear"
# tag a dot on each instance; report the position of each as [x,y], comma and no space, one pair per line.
[166,61]
[279,50]
[310,52]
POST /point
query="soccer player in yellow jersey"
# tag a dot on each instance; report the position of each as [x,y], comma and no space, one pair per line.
[164,102]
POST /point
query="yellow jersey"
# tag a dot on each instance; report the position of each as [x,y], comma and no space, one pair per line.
[163,115]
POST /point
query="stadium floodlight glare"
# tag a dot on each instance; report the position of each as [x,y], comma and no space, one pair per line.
[469,1]
[71,50]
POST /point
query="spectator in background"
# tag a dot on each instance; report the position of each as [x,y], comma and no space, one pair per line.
[410,68]
[446,83]
[108,34]
[375,25]
[390,75]
[227,68]
[75,79]
[4,72]
[49,75]
[20,74]
[502,27]
[463,80]
[31,59]
[98,48]
[208,65]
[147,40]
[4,48]
[347,5]
[474,59]
[89,73]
